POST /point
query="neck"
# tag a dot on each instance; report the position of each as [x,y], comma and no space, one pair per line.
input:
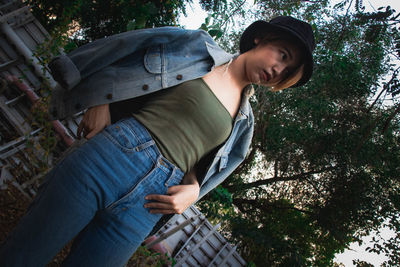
[236,72]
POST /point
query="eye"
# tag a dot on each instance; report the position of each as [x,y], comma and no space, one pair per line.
[284,56]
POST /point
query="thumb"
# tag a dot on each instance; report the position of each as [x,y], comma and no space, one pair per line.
[79,130]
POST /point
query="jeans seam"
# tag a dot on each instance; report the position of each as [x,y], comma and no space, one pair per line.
[129,128]
[128,150]
[115,142]
[132,189]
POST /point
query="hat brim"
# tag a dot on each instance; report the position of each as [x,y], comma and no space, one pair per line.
[258,28]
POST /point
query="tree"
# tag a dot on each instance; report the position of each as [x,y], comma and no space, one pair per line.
[95,19]
[323,167]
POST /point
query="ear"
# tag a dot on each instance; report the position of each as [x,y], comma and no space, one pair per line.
[256,41]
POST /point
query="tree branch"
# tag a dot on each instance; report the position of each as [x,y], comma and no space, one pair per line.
[268,181]
[385,88]
[264,205]
[387,122]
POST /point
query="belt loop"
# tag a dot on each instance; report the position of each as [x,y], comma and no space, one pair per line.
[144,145]
[171,177]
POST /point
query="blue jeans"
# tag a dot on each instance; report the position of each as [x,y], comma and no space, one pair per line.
[96,194]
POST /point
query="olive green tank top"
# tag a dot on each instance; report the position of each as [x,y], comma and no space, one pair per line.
[186,121]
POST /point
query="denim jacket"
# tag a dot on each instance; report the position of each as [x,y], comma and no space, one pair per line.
[140,62]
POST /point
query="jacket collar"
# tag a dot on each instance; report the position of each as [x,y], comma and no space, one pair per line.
[244,108]
[218,55]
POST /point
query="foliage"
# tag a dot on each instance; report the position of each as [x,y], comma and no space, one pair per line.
[323,167]
[359,263]
[145,257]
[91,20]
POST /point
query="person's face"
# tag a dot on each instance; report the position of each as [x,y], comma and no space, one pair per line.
[271,63]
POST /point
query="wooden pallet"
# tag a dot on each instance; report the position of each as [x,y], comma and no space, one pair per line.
[198,243]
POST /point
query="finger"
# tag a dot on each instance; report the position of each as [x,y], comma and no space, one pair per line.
[91,133]
[80,128]
[162,211]
[174,189]
[157,205]
[159,198]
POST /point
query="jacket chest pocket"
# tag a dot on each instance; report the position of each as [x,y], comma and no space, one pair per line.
[154,60]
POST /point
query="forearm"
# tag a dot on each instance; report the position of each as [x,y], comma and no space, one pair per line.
[190,178]
[178,197]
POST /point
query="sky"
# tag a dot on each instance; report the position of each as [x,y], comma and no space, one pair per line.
[196,16]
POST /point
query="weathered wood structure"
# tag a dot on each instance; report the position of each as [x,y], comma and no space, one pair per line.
[198,243]
[21,78]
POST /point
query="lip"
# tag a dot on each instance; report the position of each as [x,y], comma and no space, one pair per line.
[265,76]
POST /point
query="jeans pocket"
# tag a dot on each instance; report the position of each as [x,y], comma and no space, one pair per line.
[143,186]
[122,136]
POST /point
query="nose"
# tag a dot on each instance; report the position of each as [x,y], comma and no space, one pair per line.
[278,68]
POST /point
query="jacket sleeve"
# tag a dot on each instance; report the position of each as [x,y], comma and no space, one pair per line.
[70,69]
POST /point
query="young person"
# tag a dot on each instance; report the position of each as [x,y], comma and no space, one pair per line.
[168,119]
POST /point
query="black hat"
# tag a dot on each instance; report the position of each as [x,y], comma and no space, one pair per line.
[298,29]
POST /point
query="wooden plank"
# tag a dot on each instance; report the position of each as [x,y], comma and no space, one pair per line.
[172,231]
[28,76]
[26,38]
[9,64]
[17,141]
[189,253]
[16,16]
[14,118]
[10,6]
[36,34]
[227,257]
[41,28]
[211,246]
[191,237]
[6,6]
[7,51]
[11,152]
[208,249]
[214,261]
[26,53]
[23,20]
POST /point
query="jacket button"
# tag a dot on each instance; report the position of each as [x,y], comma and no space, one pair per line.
[109,96]
[145,87]
[78,106]
[179,77]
